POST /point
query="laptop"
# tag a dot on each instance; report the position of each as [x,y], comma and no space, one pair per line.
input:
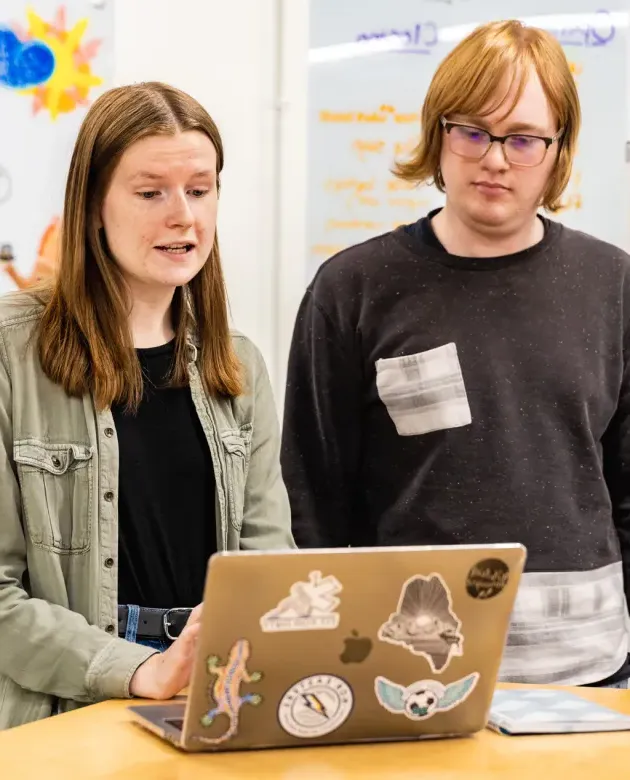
[322,647]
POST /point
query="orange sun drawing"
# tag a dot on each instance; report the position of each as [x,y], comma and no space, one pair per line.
[70,84]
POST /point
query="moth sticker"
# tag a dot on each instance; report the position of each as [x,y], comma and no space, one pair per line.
[425,623]
[421,700]
[309,606]
[225,691]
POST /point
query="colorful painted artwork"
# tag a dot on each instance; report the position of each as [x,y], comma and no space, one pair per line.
[56,58]
[49,60]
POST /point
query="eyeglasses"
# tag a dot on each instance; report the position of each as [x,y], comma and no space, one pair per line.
[518,148]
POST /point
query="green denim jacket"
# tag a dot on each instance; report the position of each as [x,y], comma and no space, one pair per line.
[59,646]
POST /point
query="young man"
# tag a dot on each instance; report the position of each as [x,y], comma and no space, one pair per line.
[465,379]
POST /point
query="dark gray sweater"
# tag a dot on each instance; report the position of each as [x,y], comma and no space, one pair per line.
[506,420]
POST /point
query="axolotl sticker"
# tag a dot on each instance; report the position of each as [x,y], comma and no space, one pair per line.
[309,606]
[424,622]
[423,699]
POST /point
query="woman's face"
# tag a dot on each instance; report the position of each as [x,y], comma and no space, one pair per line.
[160,210]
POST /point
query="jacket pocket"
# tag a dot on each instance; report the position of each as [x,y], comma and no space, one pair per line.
[424,392]
[56,486]
[237,450]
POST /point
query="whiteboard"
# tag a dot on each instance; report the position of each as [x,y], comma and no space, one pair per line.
[56,57]
[370,64]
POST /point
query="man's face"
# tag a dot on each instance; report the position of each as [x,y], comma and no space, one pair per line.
[495,192]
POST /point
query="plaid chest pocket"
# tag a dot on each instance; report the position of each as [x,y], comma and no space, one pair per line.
[424,392]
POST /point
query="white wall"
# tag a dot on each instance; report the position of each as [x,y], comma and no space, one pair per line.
[226,54]
[292,175]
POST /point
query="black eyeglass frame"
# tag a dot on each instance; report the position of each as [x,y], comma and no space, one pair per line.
[501,139]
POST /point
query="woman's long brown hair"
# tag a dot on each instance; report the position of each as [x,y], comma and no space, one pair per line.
[84,341]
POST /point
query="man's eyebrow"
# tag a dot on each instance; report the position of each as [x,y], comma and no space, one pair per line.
[526,127]
[517,127]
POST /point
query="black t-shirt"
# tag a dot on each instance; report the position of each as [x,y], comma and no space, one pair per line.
[166,496]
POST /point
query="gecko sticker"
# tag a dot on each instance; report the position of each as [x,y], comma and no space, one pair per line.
[315,706]
[225,692]
[309,606]
[425,698]
[425,623]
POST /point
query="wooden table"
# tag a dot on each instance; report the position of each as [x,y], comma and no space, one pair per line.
[100,742]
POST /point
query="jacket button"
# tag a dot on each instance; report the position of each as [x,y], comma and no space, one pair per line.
[110,629]
[56,462]
[109,562]
[109,432]
[109,496]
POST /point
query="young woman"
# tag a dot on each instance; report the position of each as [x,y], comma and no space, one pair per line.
[138,435]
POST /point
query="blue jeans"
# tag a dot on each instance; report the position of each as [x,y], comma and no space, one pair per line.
[156,644]
[131,634]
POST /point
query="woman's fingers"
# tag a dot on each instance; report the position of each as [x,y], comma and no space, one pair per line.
[166,674]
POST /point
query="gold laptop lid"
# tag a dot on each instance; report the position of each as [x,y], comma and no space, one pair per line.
[334,646]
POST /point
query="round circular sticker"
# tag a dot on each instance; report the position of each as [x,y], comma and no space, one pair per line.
[315,706]
[487,578]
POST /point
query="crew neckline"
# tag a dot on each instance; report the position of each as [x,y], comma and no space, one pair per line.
[161,349]
[436,254]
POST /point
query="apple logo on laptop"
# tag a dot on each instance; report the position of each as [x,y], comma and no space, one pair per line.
[356,649]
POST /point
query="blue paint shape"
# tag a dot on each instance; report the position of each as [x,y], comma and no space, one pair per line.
[23,65]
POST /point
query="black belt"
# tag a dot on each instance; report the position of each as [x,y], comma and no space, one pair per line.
[155,623]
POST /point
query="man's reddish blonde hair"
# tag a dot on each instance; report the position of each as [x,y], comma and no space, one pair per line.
[468,80]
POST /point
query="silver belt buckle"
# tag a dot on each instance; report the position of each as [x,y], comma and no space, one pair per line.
[167,623]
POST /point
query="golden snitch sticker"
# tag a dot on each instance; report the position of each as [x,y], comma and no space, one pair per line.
[424,622]
[423,699]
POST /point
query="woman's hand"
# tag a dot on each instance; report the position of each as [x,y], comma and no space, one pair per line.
[164,675]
